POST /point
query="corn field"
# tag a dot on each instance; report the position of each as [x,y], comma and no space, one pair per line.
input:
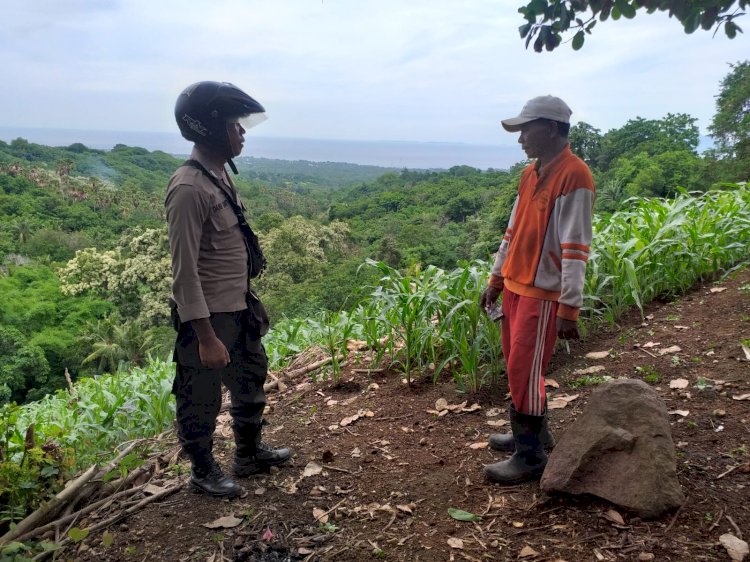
[426,323]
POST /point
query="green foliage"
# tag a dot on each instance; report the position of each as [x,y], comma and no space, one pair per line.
[44,442]
[22,366]
[548,20]
[730,126]
[660,247]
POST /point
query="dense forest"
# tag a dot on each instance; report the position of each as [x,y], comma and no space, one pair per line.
[85,268]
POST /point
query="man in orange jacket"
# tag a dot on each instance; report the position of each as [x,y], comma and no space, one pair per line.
[539,268]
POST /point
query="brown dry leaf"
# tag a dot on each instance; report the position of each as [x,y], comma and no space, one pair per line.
[152,489]
[494,412]
[589,370]
[612,515]
[457,407]
[741,397]
[226,522]
[320,515]
[433,412]
[443,413]
[527,552]
[746,351]
[679,383]
[649,344]
[497,423]
[473,408]
[551,383]
[682,413]
[349,420]
[356,453]
[736,548]
[676,327]
[718,289]
[454,542]
[671,349]
[480,445]
[332,402]
[559,402]
[304,551]
[369,414]
[518,524]
[355,345]
[260,491]
[405,509]
[312,469]
[597,355]
[333,427]
[441,404]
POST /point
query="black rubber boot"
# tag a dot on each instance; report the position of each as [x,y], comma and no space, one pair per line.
[528,460]
[208,478]
[505,441]
[256,456]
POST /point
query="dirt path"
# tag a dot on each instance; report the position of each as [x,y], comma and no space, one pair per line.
[389,477]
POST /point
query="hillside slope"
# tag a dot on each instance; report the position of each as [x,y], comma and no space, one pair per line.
[387,480]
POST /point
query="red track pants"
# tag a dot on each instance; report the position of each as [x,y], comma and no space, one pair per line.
[529,333]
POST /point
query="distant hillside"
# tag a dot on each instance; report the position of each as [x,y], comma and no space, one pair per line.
[304,172]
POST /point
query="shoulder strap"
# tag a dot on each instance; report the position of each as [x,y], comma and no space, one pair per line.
[256,260]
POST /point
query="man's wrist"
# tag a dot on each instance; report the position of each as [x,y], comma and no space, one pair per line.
[496,282]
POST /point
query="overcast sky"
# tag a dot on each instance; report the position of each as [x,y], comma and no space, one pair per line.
[419,70]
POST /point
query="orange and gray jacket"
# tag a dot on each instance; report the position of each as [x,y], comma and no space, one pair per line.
[546,245]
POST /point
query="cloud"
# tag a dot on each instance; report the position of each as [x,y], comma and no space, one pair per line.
[422,70]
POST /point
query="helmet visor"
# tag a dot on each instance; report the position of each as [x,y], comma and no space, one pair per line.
[248,121]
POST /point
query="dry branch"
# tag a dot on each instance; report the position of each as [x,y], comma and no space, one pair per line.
[42,514]
[114,519]
[80,513]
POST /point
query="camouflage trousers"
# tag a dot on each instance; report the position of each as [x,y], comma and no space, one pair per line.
[197,389]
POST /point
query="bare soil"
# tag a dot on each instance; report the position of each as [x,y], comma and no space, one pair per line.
[388,480]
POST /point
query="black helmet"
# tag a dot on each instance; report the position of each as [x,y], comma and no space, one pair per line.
[203,109]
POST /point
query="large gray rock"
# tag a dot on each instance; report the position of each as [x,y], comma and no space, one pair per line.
[619,449]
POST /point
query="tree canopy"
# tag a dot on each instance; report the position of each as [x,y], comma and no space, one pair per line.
[548,20]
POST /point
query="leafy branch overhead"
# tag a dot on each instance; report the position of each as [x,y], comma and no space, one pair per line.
[548,20]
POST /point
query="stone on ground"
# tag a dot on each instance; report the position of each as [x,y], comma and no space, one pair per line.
[620,449]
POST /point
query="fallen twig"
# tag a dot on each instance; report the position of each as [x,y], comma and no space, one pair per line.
[736,528]
[723,474]
[337,469]
[114,519]
[80,513]
[312,367]
[50,508]
[647,352]
[676,515]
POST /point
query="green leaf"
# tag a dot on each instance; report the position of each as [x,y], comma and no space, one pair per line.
[524,29]
[628,10]
[461,515]
[731,29]
[578,40]
[107,539]
[77,535]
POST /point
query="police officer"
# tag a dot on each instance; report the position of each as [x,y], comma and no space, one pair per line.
[218,318]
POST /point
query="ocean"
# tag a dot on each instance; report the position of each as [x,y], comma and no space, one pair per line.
[391,154]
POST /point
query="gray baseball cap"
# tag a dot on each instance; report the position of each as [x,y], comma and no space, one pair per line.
[541,107]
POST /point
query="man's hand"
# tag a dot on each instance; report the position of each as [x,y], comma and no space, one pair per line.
[489,297]
[567,329]
[212,352]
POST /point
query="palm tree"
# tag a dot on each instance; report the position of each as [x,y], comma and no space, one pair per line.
[114,342]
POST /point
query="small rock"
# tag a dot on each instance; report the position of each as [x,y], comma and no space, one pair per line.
[423,441]
[736,548]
